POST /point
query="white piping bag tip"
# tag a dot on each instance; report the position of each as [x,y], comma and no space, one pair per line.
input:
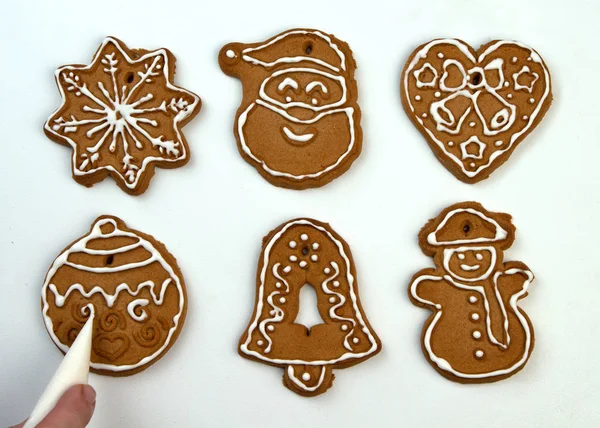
[74,369]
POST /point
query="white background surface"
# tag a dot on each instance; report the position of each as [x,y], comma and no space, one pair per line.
[213,213]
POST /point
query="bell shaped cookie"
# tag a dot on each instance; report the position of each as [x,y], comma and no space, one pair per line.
[307,253]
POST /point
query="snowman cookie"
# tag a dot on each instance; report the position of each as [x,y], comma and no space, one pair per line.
[307,253]
[477,332]
[475,107]
[131,283]
[122,116]
[299,122]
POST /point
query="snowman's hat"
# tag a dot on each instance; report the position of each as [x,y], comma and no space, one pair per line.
[467,223]
[299,47]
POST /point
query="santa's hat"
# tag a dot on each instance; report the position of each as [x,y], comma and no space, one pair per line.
[467,223]
[299,46]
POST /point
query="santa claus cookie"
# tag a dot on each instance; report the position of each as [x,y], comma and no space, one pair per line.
[299,121]
[475,107]
[307,253]
[122,116]
[131,283]
[477,332]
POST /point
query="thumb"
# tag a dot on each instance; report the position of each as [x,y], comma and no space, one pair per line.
[73,410]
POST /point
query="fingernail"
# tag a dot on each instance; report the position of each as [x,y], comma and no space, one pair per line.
[89,394]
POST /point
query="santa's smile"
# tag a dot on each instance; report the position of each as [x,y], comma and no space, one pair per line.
[303,137]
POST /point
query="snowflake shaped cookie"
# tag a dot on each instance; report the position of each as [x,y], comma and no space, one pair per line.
[122,116]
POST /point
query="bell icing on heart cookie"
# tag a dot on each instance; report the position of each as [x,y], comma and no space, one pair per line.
[299,121]
[307,253]
[122,116]
[132,284]
[477,332]
[475,107]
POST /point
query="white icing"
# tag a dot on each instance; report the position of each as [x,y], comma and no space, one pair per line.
[444,364]
[293,258]
[348,111]
[247,57]
[300,138]
[276,103]
[305,376]
[525,70]
[479,353]
[449,252]
[500,232]
[288,82]
[316,84]
[476,334]
[300,384]
[81,247]
[292,244]
[121,116]
[135,304]
[315,246]
[303,264]
[314,258]
[336,283]
[475,316]
[420,83]
[467,52]
[244,347]
[479,256]
[304,237]
[480,146]
[472,299]
[230,53]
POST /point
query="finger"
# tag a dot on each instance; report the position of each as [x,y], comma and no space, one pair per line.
[73,410]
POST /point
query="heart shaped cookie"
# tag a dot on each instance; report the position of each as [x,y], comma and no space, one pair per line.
[475,107]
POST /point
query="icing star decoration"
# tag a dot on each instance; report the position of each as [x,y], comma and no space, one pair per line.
[122,116]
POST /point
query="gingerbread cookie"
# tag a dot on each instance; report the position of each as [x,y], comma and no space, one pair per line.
[299,121]
[307,253]
[122,116]
[133,285]
[475,107]
[476,333]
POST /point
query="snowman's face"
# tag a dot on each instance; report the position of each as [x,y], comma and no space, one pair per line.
[296,89]
[470,263]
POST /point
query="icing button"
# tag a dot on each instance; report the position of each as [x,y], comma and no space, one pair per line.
[474,316]
[479,354]
[476,334]
[472,299]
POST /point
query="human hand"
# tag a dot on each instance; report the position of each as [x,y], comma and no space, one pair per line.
[73,410]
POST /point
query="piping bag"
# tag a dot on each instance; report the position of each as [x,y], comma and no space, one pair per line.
[74,369]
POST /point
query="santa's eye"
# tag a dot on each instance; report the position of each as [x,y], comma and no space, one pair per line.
[461,256]
[316,84]
[288,82]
